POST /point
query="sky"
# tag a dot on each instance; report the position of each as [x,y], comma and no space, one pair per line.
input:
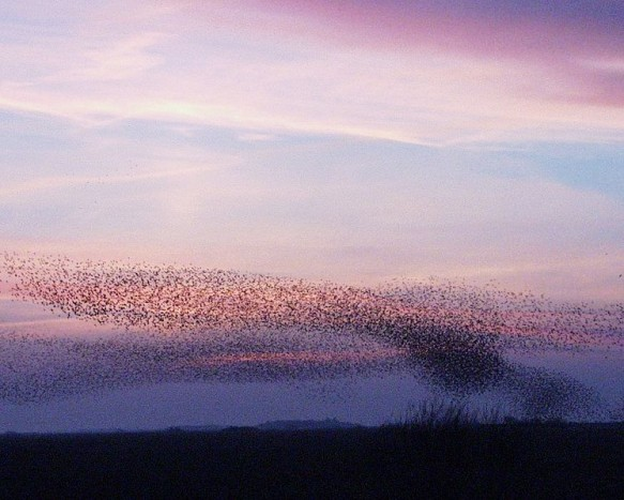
[352,142]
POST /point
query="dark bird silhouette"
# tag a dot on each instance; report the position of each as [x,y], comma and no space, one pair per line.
[185,323]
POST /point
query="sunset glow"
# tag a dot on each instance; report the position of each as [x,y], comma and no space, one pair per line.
[254,167]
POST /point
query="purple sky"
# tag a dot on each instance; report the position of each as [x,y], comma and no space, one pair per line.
[355,141]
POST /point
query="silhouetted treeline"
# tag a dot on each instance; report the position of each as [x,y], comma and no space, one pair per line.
[513,460]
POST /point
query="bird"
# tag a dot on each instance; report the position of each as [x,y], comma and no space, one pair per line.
[189,323]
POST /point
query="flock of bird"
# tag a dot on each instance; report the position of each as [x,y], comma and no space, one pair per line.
[188,323]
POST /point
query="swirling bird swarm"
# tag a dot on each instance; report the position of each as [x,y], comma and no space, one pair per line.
[190,323]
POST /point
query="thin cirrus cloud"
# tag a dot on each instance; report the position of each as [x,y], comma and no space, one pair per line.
[20,191]
[391,70]
[530,65]
[520,29]
[110,82]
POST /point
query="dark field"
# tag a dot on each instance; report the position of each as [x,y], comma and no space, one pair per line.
[516,460]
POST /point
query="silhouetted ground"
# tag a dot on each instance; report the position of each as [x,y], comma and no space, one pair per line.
[519,460]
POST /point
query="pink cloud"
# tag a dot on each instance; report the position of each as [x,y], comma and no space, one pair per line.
[496,29]
[555,38]
[602,87]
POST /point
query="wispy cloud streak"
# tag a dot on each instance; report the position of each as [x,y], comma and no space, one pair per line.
[16,191]
[388,70]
